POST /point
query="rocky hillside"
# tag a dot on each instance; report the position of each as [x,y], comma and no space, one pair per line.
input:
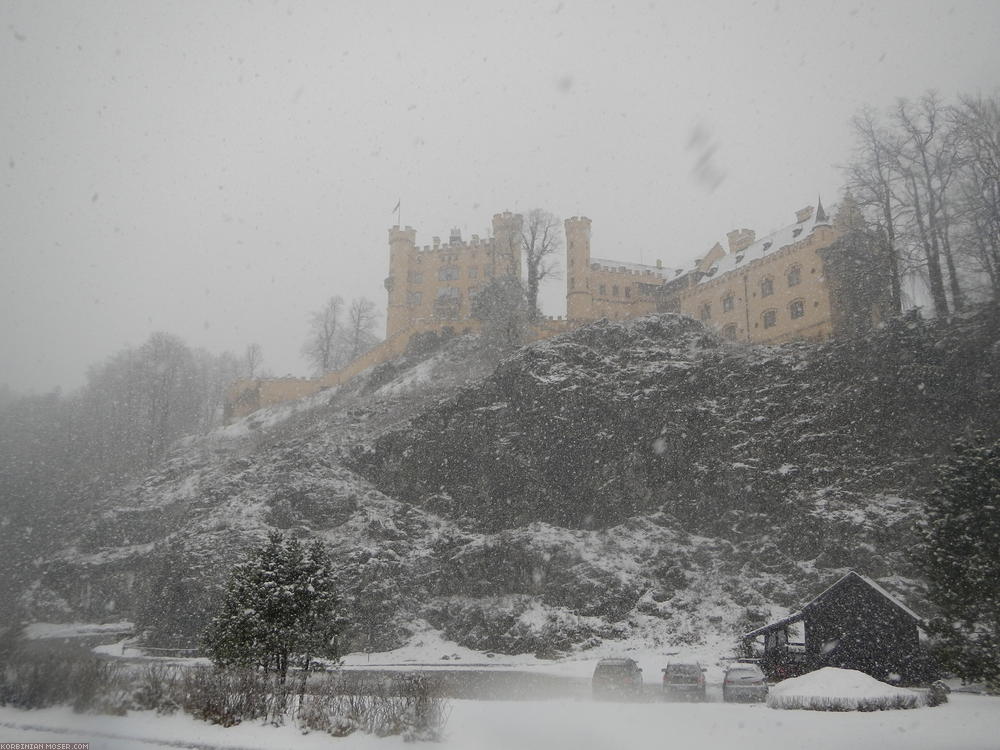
[642,479]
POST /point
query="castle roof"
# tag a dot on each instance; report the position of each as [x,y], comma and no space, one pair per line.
[764,246]
[663,273]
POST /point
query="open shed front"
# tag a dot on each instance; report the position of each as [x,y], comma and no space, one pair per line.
[854,624]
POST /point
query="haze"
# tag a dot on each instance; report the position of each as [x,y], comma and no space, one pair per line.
[217,170]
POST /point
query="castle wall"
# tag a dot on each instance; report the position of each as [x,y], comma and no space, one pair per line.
[813,287]
[748,318]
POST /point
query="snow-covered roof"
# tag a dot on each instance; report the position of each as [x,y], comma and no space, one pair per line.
[663,273]
[764,246]
[796,616]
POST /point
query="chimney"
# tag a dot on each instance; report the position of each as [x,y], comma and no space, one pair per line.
[740,239]
[803,214]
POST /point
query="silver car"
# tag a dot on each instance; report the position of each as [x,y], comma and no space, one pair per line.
[744,682]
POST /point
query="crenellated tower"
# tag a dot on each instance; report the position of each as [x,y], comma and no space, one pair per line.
[507,243]
[402,246]
[579,296]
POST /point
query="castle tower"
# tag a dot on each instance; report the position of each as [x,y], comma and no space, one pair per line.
[579,297]
[507,243]
[401,248]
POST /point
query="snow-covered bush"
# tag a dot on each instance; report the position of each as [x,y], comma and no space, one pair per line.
[84,682]
[833,689]
[231,696]
[409,706]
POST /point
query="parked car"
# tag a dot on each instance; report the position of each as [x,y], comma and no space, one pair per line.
[617,678]
[684,681]
[744,682]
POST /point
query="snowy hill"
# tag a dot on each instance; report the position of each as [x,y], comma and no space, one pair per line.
[641,480]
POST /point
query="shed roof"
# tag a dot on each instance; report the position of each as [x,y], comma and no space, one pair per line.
[818,600]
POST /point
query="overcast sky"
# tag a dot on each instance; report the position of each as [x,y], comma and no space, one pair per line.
[218,169]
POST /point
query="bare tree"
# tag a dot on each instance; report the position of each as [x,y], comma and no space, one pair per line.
[872,180]
[977,121]
[541,240]
[322,348]
[252,358]
[360,333]
[927,160]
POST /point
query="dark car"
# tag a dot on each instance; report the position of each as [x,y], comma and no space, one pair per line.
[684,681]
[744,682]
[617,678]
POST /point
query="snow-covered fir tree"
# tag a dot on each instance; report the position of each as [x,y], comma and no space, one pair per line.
[279,609]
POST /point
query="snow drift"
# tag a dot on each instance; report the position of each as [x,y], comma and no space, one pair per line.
[833,689]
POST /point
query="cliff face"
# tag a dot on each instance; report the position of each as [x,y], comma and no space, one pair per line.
[641,479]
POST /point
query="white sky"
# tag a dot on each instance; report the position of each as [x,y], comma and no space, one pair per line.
[218,169]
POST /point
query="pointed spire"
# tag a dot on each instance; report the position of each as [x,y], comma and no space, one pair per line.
[821,217]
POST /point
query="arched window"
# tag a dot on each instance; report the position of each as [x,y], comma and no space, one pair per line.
[794,276]
[729,332]
[770,318]
[728,302]
[766,286]
[796,309]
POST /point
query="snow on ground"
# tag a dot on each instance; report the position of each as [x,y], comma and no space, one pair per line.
[40,630]
[848,688]
[967,722]
[429,648]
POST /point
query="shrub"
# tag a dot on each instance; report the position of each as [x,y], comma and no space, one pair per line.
[409,706]
[85,682]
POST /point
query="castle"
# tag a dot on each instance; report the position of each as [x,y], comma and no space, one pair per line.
[811,279]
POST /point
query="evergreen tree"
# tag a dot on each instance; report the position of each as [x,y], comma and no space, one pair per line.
[279,609]
[961,560]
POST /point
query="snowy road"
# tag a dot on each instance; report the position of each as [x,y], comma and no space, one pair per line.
[968,722]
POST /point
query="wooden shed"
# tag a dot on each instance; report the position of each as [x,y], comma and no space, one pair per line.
[854,624]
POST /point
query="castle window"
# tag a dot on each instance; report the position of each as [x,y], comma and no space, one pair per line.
[473,273]
[414,298]
[706,311]
[448,273]
[794,276]
[797,309]
[770,318]
[415,277]
[602,290]
[729,332]
[727,303]
[628,291]
[614,291]
[767,287]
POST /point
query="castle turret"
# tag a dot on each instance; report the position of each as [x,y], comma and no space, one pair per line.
[579,297]
[507,243]
[401,248]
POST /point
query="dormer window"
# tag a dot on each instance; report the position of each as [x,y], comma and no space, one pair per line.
[767,245]
[797,231]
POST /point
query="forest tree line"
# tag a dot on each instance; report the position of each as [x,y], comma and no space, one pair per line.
[927,177]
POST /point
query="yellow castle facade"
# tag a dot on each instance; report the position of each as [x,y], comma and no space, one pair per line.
[802,281]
